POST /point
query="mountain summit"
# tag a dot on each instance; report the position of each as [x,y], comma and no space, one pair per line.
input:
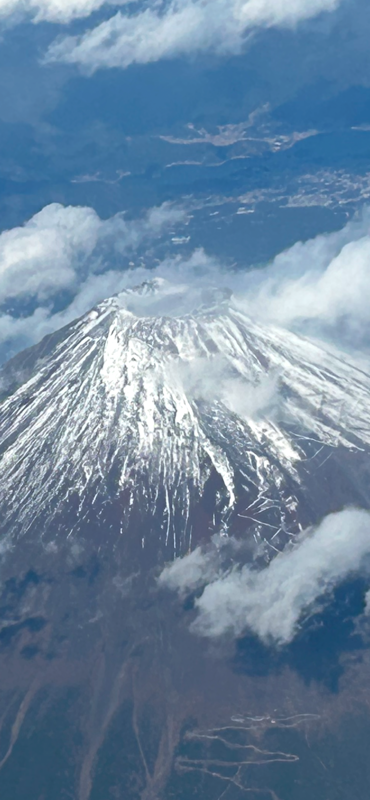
[162,417]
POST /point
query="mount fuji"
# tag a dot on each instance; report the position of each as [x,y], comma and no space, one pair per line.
[129,437]
[160,429]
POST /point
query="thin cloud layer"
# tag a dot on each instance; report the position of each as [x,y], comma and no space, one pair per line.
[271,602]
[180,28]
[215,379]
[59,11]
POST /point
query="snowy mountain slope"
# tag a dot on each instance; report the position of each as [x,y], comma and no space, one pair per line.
[159,430]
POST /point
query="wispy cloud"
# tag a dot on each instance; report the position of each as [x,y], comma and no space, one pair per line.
[272,601]
[180,28]
[60,11]
[216,379]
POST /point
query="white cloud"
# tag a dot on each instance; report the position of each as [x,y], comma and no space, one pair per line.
[214,378]
[324,282]
[59,11]
[180,27]
[202,566]
[188,574]
[320,286]
[67,249]
[271,601]
[41,257]
[22,331]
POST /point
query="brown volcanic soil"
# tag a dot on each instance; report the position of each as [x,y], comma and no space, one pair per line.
[104,694]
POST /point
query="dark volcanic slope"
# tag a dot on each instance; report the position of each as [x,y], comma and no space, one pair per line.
[126,439]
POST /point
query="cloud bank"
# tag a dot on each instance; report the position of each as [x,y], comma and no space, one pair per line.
[180,28]
[321,285]
[59,11]
[271,602]
[67,252]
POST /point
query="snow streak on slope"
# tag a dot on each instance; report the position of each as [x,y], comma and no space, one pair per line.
[102,413]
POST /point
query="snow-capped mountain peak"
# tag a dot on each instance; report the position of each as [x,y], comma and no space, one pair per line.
[184,421]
